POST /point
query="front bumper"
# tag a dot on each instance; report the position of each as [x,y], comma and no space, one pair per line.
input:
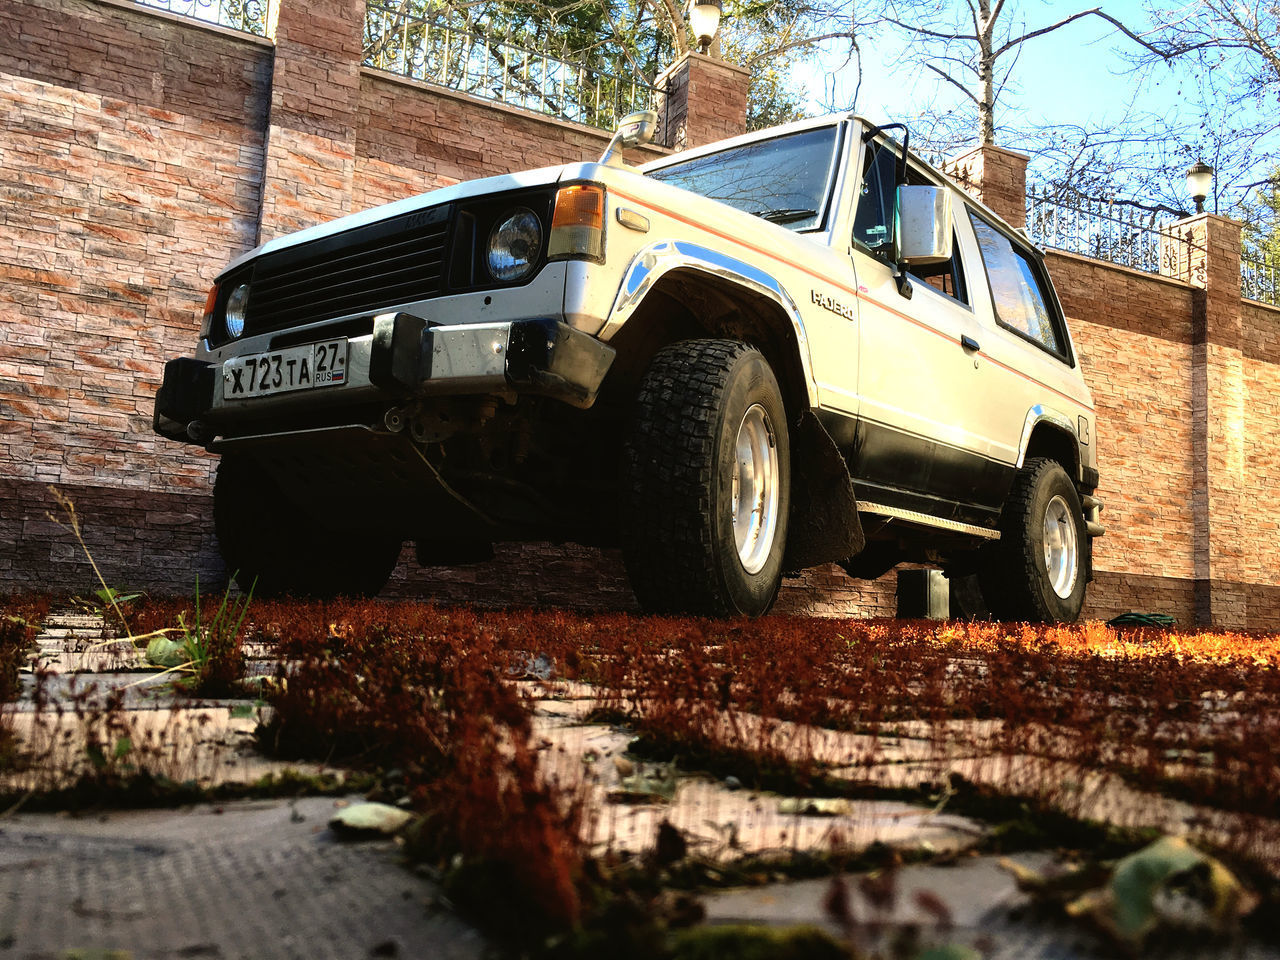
[403,358]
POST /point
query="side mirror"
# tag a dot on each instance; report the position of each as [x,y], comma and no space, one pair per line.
[634,130]
[924,225]
[637,129]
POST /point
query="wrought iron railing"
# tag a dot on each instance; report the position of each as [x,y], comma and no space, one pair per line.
[1104,230]
[1260,277]
[467,57]
[249,16]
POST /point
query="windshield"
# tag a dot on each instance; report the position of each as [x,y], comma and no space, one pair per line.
[784,179]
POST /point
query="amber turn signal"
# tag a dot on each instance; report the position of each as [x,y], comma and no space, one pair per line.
[577,225]
[209,303]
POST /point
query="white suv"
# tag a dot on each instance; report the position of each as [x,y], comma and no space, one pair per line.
[799,346]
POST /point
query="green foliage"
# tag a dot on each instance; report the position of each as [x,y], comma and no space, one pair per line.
[208,651]
[613,42]
[756,943]
[110,597]
[1260,211]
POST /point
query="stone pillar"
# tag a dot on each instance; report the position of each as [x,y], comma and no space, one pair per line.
[1205,251]
[309,161]
[705,101]
[995,176]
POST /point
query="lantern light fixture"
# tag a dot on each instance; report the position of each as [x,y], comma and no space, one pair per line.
[704,19]
[1200,183]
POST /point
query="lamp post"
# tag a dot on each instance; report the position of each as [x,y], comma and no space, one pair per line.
[704,19]
[1199,183]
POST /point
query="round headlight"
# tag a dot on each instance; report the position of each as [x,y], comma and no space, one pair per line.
[237,303]
[514,245]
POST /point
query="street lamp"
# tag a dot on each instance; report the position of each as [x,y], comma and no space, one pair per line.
[704,18]
[1199,183]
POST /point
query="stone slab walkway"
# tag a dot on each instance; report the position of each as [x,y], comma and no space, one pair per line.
[986,911]
[253,880]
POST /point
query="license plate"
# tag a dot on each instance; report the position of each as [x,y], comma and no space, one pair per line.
[293,368]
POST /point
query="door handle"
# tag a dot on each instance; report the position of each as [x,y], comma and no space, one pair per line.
[969,343]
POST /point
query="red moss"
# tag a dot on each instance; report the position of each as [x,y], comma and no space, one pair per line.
[21,617]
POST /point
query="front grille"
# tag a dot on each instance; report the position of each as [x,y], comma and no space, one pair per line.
[362,270]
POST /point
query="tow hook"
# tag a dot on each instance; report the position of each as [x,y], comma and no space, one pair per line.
[1092,510]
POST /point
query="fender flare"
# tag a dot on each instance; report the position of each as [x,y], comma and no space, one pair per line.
[657,260]
[1041,414]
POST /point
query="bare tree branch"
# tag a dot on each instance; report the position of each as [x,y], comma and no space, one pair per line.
[951,80]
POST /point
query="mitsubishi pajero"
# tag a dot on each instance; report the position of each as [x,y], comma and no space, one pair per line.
[798,346]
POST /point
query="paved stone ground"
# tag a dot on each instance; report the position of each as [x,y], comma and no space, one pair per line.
[986,911]
[268,879]
[253,880]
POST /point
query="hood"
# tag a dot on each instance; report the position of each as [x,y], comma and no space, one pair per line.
[543,176]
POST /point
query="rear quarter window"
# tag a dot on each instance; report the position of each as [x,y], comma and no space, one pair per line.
[1022,304]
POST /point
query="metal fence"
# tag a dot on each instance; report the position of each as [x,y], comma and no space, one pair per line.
[1107,231]
[465,56]
[249,16]
[1260,277]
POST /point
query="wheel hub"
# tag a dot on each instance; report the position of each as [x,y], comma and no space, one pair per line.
[754,500]
[1061,547]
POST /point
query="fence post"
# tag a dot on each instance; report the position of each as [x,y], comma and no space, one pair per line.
[995,176]
[705,100]
[309,152]
[1208,256]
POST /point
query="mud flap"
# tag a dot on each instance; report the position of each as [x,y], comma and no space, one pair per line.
[824,524]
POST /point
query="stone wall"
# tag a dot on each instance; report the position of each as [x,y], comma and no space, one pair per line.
[706,101]
[409,139]
[142,151]
[132,171]
[1260,374]
[1137,361]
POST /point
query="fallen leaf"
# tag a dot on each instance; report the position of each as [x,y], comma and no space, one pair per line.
[1167,883]
[163,652]
[370,818]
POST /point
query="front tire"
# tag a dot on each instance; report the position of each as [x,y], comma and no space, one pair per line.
[1038,569]
[707,482]
[275,548]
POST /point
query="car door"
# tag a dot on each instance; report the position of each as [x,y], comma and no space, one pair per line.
[1025,342]
[920,441]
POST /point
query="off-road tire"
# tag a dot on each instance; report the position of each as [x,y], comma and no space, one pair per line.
[1015,578]
[274,547]
[678,465]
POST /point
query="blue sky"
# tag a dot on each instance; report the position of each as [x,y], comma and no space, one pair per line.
[1074,75]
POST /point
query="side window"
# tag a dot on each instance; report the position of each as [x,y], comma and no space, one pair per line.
[947,277]
[1016,289]
[877,195]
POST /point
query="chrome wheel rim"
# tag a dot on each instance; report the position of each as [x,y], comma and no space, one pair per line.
[1061,547]
[755,489]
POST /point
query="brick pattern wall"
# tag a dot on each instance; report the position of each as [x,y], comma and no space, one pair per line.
[706,101]
[407,140]
[315,109]
[997,177]
[584,578]
[1218,437]
[1260,369]
[132,151]
[1137,362]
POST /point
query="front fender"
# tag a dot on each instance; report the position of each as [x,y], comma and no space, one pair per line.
[659,259]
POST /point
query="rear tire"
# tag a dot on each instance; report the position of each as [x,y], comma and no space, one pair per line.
[1038,569]
[275,548]
[707,482]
